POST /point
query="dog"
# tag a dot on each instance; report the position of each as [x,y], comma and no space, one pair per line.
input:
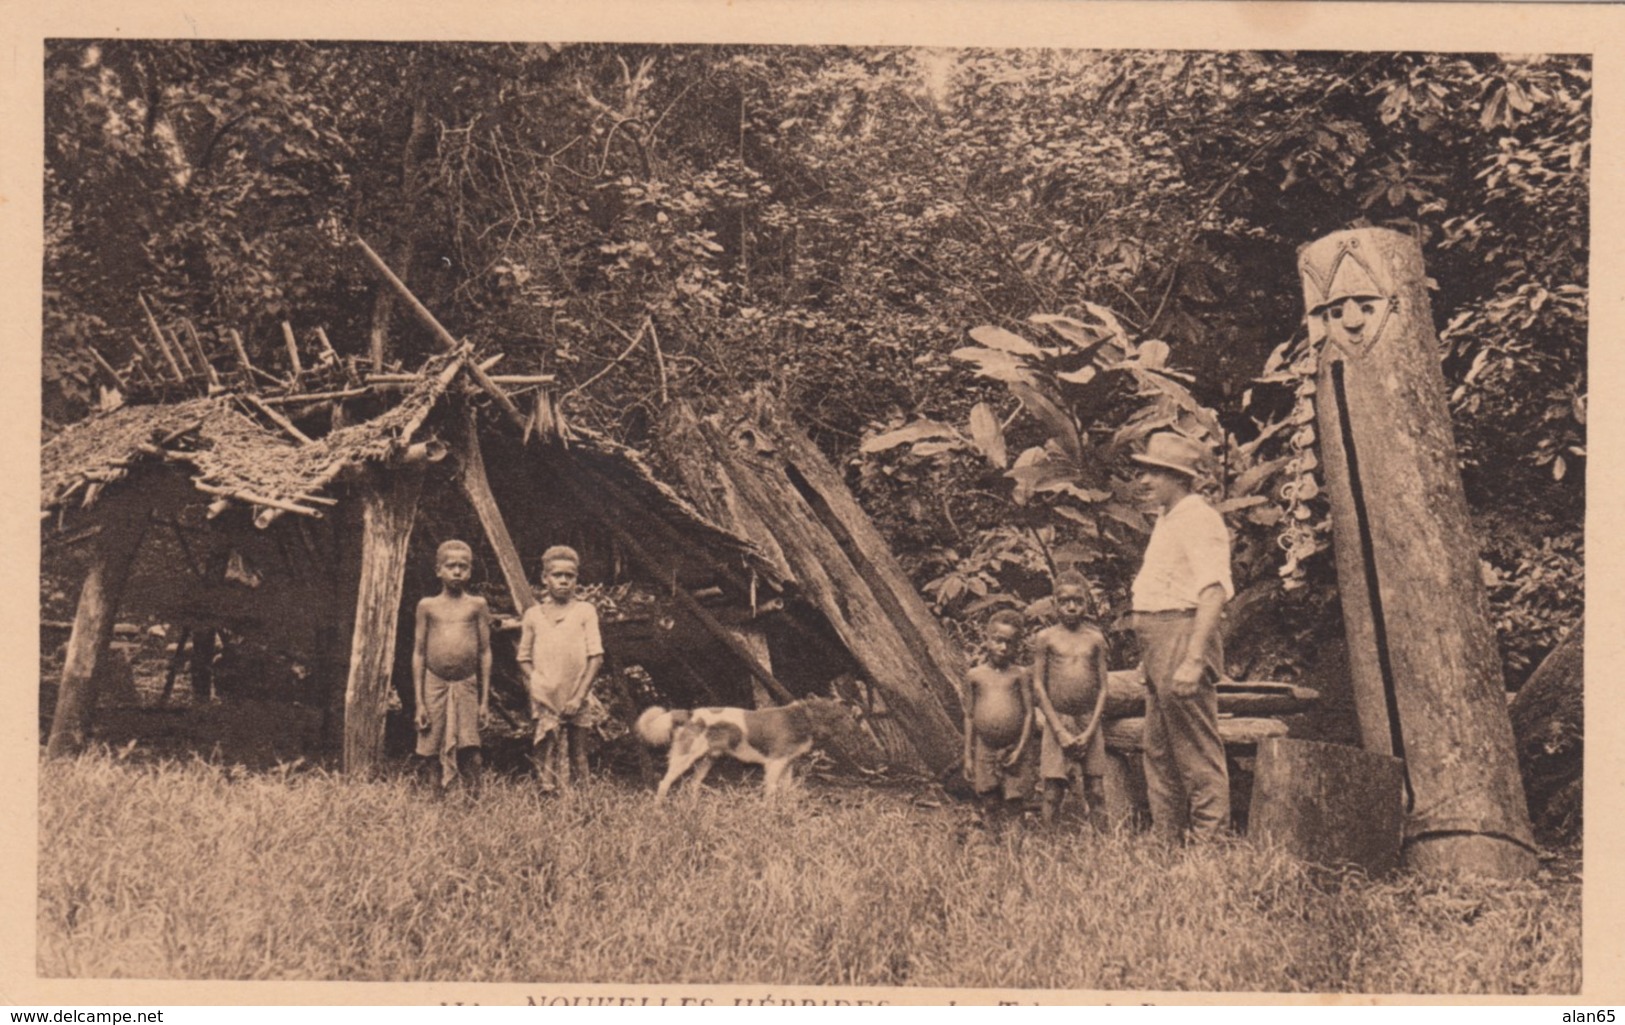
[770,737]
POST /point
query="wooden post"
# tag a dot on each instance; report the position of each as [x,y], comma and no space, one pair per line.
[1427,680]
[1329,804]
[158,336]
[478,489]
[110,561]
[293,354]
[389,506]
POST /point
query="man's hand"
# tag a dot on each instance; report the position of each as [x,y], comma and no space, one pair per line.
[965,768]
[1009,761]
[485,717]
[422,719]
[1188,678]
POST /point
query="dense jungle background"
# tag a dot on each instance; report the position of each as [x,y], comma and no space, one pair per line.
[976,277]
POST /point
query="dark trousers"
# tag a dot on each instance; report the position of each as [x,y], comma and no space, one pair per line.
[1186,780]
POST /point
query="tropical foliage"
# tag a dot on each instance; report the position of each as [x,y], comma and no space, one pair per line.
[1115,230]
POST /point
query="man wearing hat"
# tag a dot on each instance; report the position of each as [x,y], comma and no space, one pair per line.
[1178,598]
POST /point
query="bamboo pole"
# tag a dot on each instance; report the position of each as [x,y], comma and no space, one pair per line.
[158,336]
[202,354]
[293,353]
[107,368]
[251,498]
[278,419]
[318,396]
[181,354]
[443,336]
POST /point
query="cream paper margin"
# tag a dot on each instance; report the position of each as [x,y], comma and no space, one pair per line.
[1192,24]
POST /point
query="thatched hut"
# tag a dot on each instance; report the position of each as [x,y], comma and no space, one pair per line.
[301,516]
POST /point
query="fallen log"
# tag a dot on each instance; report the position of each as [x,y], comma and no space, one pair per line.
[1241,735]
[1125,696]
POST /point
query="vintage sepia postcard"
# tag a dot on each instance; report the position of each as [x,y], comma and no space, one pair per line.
[771,503]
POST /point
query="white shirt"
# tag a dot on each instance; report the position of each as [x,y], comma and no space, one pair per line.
[1189,550]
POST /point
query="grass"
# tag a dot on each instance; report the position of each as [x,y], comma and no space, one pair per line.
[193,870]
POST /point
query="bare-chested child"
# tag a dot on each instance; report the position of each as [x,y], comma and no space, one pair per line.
[451,666]
[1069,683]
[560,650]
[998,722]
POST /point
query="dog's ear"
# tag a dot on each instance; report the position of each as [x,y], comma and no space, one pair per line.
[681,717]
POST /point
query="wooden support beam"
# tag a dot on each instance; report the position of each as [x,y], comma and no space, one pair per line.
[315,396]
[181,354]
[389,506]
[251,498]
[242,358]
[158,336]
[110,563]
[478,489]
[202,353]
[444,337]
[293,354]
[278,419]
[107,368]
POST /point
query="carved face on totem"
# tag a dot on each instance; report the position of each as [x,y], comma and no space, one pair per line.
[1347,296]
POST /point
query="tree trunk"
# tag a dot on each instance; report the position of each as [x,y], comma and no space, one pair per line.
[110,563]
[784,492]
[1548,721]
[389,505]
[1125,695]
[478,489]
[1329,804]
[1428,685]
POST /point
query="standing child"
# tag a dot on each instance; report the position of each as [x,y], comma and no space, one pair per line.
[451,666]
[999,720]
[560,651]
[1069,681]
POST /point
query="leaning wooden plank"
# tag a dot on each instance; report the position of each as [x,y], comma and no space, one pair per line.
[831,583]
[808,472]
[478,489]
[243,360]
[181,354]
[107,368]
[99,597]
[443,336]
[389,505]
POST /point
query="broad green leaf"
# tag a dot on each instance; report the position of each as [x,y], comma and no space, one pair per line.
[1006,341]
[999,366]
[919,430]
[988,435]
[1054,418]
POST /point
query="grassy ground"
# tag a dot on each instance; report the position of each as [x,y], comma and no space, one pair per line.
[191,870]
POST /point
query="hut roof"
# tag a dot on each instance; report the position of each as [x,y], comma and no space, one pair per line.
[233,456]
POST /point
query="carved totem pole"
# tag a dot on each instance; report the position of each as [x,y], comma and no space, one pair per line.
[1427,679]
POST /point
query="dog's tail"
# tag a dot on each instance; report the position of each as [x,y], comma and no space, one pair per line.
[654,726]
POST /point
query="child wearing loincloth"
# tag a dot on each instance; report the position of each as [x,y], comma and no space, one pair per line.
[451,666]
[561,651]
[999,759]
[1069,683]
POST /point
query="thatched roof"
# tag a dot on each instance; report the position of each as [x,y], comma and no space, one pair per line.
[231,453]
[234,456]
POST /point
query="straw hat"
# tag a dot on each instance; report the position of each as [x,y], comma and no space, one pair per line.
[1170,451]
